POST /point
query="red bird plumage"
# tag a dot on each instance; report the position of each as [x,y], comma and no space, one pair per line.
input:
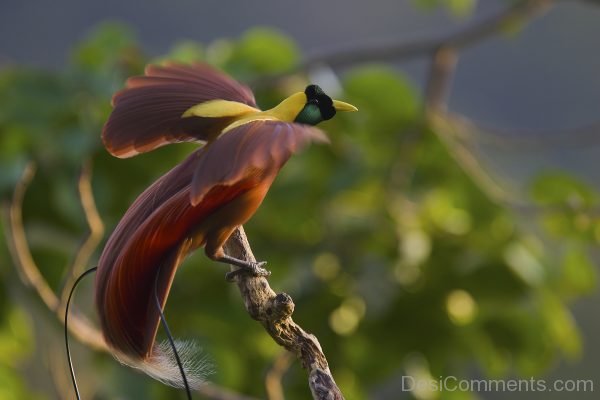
[200,202]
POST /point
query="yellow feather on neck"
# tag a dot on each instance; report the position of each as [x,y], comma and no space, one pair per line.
[219,108]
[289,108]
[285,111]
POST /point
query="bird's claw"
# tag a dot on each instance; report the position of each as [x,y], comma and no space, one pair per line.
[253,268]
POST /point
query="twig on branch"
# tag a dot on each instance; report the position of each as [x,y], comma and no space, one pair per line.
[274,312]
[275,375]
[88,246]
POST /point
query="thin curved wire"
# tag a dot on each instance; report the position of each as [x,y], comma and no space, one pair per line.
[163,321]
[71,370]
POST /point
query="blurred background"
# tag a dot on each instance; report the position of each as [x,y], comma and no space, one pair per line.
[450,229]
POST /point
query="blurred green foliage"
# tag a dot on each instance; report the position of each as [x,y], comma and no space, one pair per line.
[395,259]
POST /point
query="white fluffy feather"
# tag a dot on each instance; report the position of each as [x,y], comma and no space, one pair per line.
[162,365]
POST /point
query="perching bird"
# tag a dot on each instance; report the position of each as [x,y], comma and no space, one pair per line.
[198,203]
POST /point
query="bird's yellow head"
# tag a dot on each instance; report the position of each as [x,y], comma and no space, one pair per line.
[309,107]
[319,107]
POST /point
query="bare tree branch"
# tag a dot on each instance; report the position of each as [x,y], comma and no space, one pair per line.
[274,312]
[17,241]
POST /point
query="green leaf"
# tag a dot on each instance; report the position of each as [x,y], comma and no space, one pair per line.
[524,263]
[461,8]
[106,45]
[266,50]
[186,52]
[560,188]
[579,274]
[384,97]
[561,325]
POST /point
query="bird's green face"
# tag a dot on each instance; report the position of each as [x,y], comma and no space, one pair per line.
[319,107]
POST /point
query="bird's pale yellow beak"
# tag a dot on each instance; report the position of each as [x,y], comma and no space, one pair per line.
[341,106]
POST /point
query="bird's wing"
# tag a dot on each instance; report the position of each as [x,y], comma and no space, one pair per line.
[251,152]
[148,113]
[153,235]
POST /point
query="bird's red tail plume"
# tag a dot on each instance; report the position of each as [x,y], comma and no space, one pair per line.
[147,246]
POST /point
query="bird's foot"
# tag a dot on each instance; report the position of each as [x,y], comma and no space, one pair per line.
[251,268]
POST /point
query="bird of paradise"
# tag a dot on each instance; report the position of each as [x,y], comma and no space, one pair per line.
[200,202]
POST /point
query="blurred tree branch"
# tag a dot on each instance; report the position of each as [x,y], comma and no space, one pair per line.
[444,51]
[17,243]
[521,11]
[444,58]
[28,270]
[443,65]
[87,247]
